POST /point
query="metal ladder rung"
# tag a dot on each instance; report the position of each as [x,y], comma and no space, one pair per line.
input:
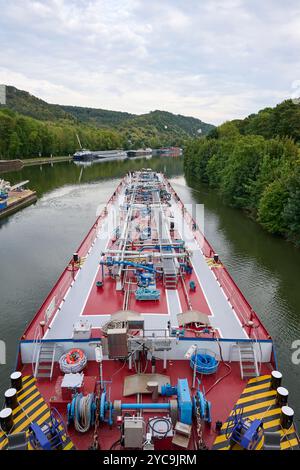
[248,361]
[45,361]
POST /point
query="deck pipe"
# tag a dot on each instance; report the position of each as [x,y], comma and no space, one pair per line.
[136,254]
[145,406]
[153,365]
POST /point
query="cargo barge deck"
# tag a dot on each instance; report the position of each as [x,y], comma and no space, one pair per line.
[147,329]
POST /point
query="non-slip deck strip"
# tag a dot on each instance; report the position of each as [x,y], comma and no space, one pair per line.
[259,402]
[32,408]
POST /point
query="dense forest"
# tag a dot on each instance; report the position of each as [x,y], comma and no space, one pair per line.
[255,165]
[24,137]
[30,127]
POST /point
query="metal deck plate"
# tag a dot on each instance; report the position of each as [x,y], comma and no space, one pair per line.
[192,316]
[138,383]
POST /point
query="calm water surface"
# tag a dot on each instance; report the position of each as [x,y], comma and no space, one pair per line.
[36,244]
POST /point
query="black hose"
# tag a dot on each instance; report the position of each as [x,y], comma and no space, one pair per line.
[165,420]
[115,443]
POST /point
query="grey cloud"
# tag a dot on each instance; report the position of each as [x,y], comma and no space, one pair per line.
[216,60]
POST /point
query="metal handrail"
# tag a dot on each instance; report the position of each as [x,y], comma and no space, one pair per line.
[37,340]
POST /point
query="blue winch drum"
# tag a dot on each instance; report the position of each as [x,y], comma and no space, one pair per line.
[206,363]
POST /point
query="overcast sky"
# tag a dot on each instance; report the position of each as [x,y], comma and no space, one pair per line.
[212,59]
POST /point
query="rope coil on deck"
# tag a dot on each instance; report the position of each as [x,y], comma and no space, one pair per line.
[205,363]
[82,412]
[73,361]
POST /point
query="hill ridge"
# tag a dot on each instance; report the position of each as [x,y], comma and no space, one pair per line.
[23,102]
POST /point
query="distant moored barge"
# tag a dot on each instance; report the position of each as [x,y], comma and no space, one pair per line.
[139,152]
[14,198]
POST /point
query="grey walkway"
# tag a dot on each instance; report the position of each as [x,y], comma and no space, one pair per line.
[173,305]
[63,323]
[224,318]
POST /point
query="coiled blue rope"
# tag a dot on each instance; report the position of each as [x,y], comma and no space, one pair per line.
[205,363]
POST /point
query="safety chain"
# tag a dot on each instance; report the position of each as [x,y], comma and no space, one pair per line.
[201,443]
[95,444]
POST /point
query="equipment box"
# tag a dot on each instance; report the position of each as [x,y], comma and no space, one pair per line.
[117,343]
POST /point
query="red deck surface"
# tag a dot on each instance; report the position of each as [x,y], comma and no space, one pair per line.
[197,297]
[223,396]
[106,300]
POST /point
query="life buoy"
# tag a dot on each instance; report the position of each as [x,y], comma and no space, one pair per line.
[74,356]
[73,361]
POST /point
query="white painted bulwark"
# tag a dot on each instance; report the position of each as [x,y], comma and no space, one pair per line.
[50,309]
[177,352]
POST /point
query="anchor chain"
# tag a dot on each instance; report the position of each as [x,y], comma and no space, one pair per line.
[201,443]
[95,443]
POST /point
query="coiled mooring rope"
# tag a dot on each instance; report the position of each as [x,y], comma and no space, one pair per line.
[83,412]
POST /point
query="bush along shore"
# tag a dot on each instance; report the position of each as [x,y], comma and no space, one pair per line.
[257,174]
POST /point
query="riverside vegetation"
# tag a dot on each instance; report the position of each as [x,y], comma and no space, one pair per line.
[255,165]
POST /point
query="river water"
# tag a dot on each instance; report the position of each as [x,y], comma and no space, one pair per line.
[37,242]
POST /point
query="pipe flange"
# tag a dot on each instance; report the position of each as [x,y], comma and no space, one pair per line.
[117,409]
[174,411]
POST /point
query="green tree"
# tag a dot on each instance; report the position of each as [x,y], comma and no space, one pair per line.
[241,169]
[14,145]
[271,208]
[291,212]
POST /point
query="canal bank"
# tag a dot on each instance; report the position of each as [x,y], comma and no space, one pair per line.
[15,165]
[38,242]
[10,165]
[45,161]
